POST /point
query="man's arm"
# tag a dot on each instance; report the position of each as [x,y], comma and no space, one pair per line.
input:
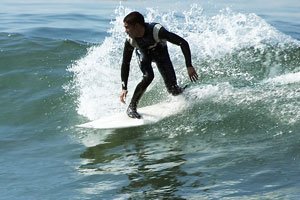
[184,45]
[175,39]
[127,55]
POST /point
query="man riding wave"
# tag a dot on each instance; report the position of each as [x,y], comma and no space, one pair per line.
[149,42]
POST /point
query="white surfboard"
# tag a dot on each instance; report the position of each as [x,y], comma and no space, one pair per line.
[150,114]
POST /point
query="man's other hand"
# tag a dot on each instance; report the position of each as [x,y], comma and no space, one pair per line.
[123,96]
[192,73]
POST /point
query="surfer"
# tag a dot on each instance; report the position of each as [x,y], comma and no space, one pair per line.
[149,42]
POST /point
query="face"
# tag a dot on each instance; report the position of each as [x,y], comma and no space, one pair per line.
[132,30]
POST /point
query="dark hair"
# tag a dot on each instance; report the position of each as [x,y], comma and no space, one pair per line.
[134,18]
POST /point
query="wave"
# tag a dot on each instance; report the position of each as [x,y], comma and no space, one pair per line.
[233,52]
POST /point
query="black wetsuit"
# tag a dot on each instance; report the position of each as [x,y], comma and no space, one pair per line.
[149,50]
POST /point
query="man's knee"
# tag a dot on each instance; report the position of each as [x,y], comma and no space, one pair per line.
[148,78]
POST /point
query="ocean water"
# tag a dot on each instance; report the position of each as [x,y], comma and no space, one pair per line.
[237,137]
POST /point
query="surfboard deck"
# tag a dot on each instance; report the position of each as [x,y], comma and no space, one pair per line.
[150,115]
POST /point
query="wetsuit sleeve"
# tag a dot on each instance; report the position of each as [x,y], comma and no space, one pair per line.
[175,39]
[127,55]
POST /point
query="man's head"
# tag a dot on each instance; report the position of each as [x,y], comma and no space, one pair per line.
[134,18]
[134,24]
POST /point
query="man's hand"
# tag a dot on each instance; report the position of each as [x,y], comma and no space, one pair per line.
[123,96]
[192,74]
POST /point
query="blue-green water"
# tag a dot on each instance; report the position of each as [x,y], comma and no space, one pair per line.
[237,138]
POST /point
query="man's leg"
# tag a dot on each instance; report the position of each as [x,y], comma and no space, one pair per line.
[166,69]
[148,75]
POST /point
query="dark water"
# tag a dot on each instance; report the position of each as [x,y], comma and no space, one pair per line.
[237,138]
